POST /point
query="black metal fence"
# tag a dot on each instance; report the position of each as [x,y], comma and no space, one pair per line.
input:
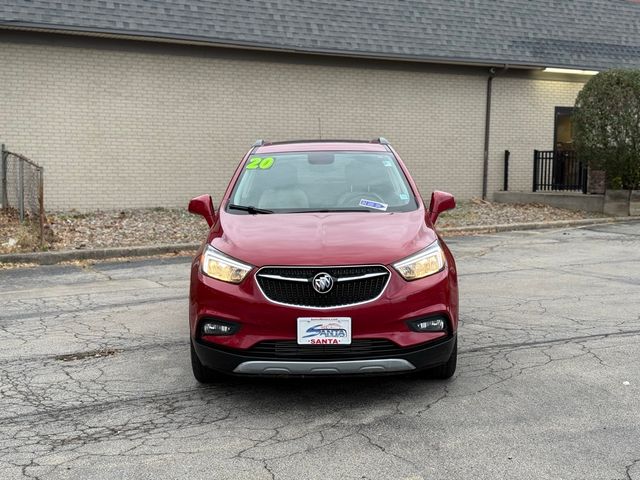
[558,171]
[22,188]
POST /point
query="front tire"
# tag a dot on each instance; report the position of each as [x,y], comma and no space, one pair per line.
[200,372]
[446,370]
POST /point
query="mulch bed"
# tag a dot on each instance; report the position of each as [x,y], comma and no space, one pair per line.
[75,230]
[124,228]
[481,213]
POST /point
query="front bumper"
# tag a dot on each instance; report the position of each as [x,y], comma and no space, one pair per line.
[260,319]
[236,361]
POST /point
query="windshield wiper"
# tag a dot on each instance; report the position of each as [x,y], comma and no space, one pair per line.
[248,208]
[329,210]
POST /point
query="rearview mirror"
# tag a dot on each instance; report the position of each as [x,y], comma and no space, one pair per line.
[440,202]
[203,205]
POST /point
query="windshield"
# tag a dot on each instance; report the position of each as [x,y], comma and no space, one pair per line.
[322,181]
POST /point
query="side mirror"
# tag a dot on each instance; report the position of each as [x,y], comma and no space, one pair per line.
[440,202]
[203,205]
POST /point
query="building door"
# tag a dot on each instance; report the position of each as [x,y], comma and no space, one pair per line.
[563,129]
[565,166]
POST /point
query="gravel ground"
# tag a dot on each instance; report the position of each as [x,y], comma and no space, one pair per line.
[482,213]
[73,230]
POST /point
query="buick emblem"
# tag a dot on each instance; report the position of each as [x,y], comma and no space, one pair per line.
[322,283]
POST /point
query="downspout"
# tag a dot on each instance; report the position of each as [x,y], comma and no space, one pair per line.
[487,129]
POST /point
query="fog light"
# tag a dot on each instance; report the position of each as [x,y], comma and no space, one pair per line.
[218,328]
[436,324]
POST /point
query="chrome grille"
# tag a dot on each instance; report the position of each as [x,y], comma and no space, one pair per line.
[352,285]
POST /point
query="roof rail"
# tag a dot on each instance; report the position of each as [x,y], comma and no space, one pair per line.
[260,142]
[317,140]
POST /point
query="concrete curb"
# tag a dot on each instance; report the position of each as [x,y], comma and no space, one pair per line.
[50,258]
[534,225]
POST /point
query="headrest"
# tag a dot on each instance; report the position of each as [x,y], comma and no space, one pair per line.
[281,175]
[366,173]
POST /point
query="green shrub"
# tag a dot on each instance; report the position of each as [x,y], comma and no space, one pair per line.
[607,126]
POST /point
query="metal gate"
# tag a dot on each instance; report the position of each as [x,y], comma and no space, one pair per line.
[558,170]
[22,188]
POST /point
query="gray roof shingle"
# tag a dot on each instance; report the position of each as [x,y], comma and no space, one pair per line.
[595,34]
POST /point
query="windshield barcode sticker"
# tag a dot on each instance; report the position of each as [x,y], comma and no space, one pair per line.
[371,204]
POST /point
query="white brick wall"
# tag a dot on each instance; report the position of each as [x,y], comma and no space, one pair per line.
[137,128]
[523,113]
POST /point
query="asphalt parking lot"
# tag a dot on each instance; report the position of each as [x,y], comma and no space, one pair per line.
[95,380]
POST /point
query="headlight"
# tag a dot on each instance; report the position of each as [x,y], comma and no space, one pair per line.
[422,264]
[217,265]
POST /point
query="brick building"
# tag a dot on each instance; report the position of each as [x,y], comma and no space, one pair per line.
[150,102]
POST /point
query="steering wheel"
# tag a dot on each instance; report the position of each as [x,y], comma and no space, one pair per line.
[350,198]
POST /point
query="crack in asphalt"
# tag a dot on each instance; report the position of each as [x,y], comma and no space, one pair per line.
[92,402]
[139,402]
[78,356]
[548,342]
[84,308]
[628,468]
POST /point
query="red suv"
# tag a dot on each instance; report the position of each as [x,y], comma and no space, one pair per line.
[323,260]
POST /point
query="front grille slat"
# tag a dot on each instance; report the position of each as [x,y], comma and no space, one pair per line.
[357,348]
[342,294]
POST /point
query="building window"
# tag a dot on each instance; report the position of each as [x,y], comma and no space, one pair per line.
[563,129]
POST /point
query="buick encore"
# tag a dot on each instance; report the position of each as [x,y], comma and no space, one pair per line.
[323,259]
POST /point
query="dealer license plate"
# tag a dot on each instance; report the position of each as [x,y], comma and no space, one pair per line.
[324,331]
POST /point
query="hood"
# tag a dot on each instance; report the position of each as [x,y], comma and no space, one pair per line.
[337,238]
